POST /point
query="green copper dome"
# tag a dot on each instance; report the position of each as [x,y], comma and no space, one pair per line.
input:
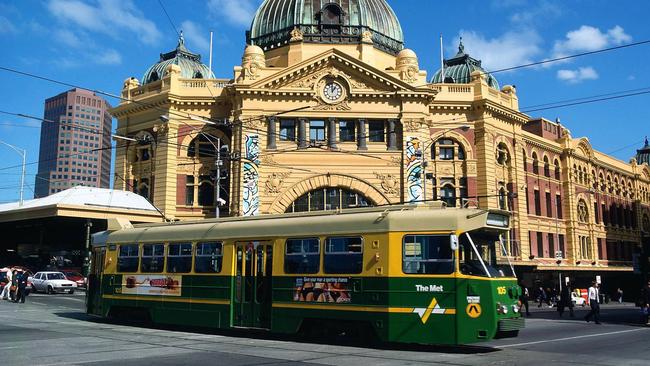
[190,64]
[458,70]
[326,21]
[643,155]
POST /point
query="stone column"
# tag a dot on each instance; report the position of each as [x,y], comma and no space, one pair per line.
[302,133]
[271,133]
[392,135]
[331,133]
[362,135]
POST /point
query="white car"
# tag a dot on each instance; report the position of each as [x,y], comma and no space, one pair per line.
[52,282]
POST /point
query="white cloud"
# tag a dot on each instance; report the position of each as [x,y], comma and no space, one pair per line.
[588,38]
[238,12]
[509,49]
[195,37]
[6,26]
[538,13]
[108,17]
[67,37]
[108,57]
[579,75]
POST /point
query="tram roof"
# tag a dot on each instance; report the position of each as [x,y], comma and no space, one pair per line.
[414,218]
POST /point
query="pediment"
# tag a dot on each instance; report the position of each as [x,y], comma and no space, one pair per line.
[359,76]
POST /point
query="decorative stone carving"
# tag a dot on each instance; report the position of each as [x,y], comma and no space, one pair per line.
[407,65]
[342,106]
[268,160]
[413,125]
[162,129]
[252,61]
[471,168]
[389,183]
[275,181]
[296,35]
[395,161]
[366,37]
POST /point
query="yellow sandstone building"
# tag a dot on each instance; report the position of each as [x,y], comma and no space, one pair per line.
[328,110]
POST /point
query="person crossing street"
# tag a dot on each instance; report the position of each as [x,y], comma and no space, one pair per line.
[594,295]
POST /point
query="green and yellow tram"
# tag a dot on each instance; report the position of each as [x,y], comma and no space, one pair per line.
[414,274]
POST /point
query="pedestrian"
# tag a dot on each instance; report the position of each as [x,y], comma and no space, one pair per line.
[620,295]
[565,301]
[541,296]
[14,285]
[594,295]
[6,290]
[524,297]
[645,303]
[22,287]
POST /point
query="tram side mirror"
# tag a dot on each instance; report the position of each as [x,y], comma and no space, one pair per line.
[454,242]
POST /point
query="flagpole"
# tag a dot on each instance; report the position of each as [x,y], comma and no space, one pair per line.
[442,61]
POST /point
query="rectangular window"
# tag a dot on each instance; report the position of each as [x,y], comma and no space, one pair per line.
[347,131]
[209,257]
[179,258]
[343,255]
[287,130]
[189,190]
[538,205]
[558,205]
[127,259]
[551,245]
[317,130]
[540,245]
[427,254]
[302,256]
[153,258]
[596,213]
[376,132]
[549,211]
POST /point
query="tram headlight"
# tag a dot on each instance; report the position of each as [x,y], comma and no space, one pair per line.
[502,309]
[515,309]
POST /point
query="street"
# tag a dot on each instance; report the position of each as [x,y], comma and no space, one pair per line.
[53,330]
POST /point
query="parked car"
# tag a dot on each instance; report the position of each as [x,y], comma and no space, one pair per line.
[75,277]
[578,300]
[52,282]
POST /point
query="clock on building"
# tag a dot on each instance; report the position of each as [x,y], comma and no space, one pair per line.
[332,92]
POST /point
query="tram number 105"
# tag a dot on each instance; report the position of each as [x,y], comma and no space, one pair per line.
[501,290]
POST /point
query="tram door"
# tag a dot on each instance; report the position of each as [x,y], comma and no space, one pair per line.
[94,292]
[253,284]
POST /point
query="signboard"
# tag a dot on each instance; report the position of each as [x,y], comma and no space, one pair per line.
[322,289]
[473,310]
[598,280]
[152,285]
[559,255]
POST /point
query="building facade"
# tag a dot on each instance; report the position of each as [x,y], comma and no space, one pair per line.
[75,146]
[328,110]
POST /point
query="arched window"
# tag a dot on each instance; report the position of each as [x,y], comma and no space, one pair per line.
[535,164]
[331,15]
[154,76]
[332,198]
[448,149]
[448,195]
[583,213]
[503,156]
[206,191]
[204,145]
[525,160]
[557,170]
[547,167]
[198,75]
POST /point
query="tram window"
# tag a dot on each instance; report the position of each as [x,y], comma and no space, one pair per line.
[179,258]
[343,255]
[209,257]
[127,260]
[302,256]
[153,258]
[427,254]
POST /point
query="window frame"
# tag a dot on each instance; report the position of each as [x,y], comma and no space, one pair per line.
[302,253]
[219,258]
[339,254]
[170,256]
[284,136]
[143,256]
[373,134]
[119,255]
[452,260]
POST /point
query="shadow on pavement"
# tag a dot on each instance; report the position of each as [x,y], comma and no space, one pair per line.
[338,340]
[622,315]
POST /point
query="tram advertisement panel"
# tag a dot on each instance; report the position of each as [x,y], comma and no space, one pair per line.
[153,285]
[322,289]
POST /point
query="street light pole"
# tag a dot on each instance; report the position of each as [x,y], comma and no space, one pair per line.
[23,154]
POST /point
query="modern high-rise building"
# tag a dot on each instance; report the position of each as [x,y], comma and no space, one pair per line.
[75,143]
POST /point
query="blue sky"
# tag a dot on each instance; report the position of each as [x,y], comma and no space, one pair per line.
[99,43]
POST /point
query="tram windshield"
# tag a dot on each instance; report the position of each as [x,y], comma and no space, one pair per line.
[478,255]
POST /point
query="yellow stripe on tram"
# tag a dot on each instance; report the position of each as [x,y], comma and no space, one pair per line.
[372,309]
[166,299]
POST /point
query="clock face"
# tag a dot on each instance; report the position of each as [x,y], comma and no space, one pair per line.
[332,91]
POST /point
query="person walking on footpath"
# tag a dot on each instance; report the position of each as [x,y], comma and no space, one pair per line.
[565,301]
[14,285]
[524,297]
[6,290]
[619,292]
[645,303]
[594,295]
[22,287]
[541,296]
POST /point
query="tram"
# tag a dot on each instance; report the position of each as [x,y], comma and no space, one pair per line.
[422,274]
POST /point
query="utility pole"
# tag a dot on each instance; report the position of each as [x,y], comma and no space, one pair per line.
[86,265]
[217,184]
[23,154]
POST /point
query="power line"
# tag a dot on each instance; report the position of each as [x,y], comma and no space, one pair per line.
[586,101]
[169,18]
